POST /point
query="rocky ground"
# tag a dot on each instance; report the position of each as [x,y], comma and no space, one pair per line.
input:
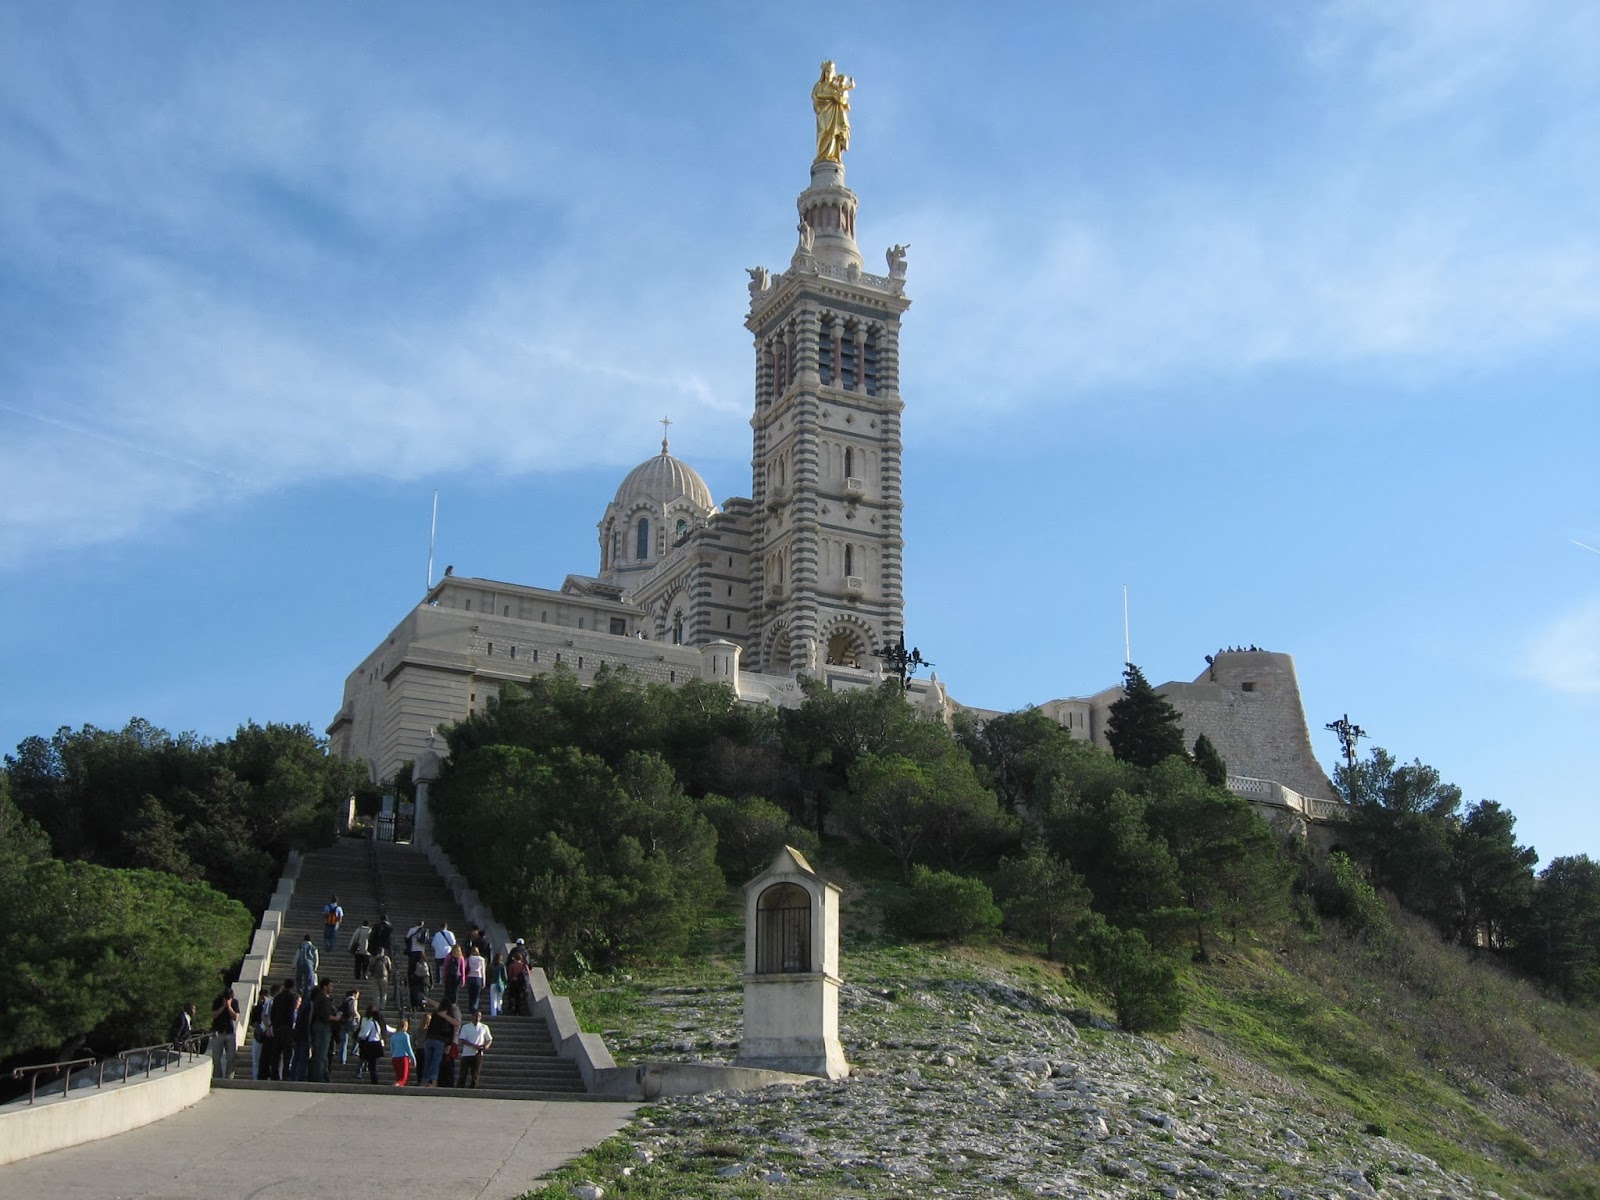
[967,1083]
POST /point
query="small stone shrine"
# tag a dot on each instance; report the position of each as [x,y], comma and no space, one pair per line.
[791,971]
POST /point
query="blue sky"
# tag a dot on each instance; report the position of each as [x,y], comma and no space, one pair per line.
[1285,316]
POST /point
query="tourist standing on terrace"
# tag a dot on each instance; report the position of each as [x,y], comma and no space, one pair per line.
[285,1007]
[224,1021]
[473,1039]
[261,1053]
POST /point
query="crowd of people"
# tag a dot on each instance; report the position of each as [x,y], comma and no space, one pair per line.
[301,1026]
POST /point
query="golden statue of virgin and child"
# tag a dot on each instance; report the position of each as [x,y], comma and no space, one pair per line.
[830,97]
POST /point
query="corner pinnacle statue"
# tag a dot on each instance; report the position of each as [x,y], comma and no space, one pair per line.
[830,97]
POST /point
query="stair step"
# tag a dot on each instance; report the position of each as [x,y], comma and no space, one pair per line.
[523,1060]
[388,1089]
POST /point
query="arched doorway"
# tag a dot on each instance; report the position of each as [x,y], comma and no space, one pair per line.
[783,930]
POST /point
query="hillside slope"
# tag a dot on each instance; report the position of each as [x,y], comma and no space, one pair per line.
[982,1072]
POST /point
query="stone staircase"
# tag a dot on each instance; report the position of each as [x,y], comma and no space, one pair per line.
[523,1060]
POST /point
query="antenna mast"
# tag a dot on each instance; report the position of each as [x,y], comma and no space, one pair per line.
[1127,646]
[433,529]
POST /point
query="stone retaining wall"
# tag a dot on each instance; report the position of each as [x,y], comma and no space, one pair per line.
[87,1114]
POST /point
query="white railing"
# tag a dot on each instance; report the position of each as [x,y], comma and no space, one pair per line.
[1271,792]
[855,486]
[854,583]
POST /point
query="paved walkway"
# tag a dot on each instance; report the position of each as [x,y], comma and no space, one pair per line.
[283,1146]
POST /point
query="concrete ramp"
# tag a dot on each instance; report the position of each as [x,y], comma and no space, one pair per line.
[293,1145]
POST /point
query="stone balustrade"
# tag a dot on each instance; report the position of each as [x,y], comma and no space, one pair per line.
[1271,793]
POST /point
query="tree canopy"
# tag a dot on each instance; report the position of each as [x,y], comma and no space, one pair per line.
[1143,727]
[223,812]
[101,955]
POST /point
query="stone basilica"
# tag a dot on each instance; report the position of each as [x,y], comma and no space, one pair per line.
[803,577]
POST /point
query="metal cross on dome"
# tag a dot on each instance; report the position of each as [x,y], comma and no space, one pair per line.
[665,421]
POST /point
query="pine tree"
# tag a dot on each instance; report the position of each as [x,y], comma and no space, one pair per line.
[1209,763]
[1144,728]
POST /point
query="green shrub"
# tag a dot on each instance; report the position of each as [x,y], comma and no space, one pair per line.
[1343,892]
[941,904]
[750,832]
[1142,984]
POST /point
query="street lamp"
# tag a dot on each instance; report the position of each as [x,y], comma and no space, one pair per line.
[902,663]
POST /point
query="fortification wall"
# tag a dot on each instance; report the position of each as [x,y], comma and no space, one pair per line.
[1248,704]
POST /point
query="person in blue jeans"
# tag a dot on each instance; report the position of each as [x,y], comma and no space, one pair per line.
[324,1024]
[441,1031]
[332,916]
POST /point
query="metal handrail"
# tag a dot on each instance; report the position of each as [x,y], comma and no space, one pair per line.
[35,1071]
[193,1045]
[377,873]
[400,987]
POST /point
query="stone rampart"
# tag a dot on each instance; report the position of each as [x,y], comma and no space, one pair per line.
[1248,703]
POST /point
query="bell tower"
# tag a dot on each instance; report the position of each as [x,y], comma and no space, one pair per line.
[826,544]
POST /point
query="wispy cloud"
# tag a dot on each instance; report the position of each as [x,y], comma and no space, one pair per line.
[1565,655]
[281,262]
[264,290]
[1439,212]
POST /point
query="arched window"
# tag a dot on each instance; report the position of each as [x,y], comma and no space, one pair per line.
[783,930]
[642,551]
[849,463]
[849,560]
[677,628]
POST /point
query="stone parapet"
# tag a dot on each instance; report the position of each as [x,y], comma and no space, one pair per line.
[88,1114]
